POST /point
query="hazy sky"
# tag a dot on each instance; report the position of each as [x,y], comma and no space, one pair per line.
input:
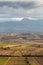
[11,9]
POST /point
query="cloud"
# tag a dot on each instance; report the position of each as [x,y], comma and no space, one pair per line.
[30,18]
[21,8]
[17,5]
[10,19]
[20,4]
[16,19]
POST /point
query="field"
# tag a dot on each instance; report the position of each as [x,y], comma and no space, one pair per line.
[21,49]
[3,60]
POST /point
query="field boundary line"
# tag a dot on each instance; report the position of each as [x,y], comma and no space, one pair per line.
[7,60]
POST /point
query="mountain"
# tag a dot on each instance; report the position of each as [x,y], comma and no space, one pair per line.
[25,25]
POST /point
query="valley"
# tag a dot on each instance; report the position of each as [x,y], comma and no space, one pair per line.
[21,49]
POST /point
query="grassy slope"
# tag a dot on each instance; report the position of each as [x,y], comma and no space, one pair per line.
[3,60]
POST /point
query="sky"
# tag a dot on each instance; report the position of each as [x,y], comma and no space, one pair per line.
[19,9]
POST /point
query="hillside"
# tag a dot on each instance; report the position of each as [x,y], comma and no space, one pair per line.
[25,25]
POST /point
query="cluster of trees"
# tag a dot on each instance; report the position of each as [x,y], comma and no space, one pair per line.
[5,48]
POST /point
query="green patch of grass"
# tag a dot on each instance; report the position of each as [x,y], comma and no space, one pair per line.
[3,60]
[32,63]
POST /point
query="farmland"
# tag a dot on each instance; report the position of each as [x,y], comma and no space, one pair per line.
[21,49]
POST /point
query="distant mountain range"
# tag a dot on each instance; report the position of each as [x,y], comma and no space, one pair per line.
[23,26]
